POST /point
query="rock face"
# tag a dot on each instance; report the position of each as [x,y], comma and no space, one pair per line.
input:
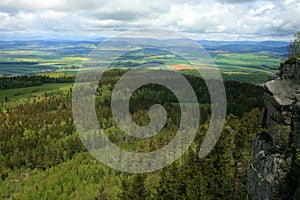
[275,171]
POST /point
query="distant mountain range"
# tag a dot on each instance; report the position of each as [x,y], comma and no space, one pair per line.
[277,47]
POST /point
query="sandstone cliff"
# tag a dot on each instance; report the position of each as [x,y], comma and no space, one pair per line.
[275,171]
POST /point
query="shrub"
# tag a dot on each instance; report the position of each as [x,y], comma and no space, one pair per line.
[294,48]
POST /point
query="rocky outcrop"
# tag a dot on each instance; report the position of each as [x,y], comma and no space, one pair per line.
[275,171]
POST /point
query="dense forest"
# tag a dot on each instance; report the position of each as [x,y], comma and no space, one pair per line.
[42,156]
[28,81]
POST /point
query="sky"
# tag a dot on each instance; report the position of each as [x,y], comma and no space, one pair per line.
[209,20]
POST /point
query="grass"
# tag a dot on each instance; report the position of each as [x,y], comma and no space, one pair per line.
[16,95]
[261,62]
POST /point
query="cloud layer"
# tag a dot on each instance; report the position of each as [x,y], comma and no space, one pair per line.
[219,19]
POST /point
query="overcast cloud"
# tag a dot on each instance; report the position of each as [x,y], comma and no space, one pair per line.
[219,19]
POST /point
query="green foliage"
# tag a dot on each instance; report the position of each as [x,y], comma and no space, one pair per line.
[253,77]
[16,96]
[294,48]
[29,81]
[38,138]
[298,156]
[152,184]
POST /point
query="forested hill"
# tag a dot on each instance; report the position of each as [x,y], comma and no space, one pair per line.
[42,157]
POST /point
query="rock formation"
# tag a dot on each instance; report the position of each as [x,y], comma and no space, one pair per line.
[275,170]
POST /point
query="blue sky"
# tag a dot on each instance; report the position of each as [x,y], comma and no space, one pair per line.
[211,20]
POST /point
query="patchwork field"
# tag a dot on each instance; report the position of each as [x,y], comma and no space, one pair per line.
[180,67]
[233,59]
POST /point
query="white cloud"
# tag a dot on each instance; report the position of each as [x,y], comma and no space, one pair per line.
[230,19]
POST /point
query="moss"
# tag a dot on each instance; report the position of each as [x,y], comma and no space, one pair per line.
[284,166]
[284,133]
[298,155]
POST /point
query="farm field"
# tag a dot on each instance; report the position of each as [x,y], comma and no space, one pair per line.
[236,60]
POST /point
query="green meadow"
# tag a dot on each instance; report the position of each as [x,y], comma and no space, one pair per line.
[17,95]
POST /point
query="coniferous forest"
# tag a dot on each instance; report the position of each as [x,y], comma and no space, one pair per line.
[149,100]
[42,156]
